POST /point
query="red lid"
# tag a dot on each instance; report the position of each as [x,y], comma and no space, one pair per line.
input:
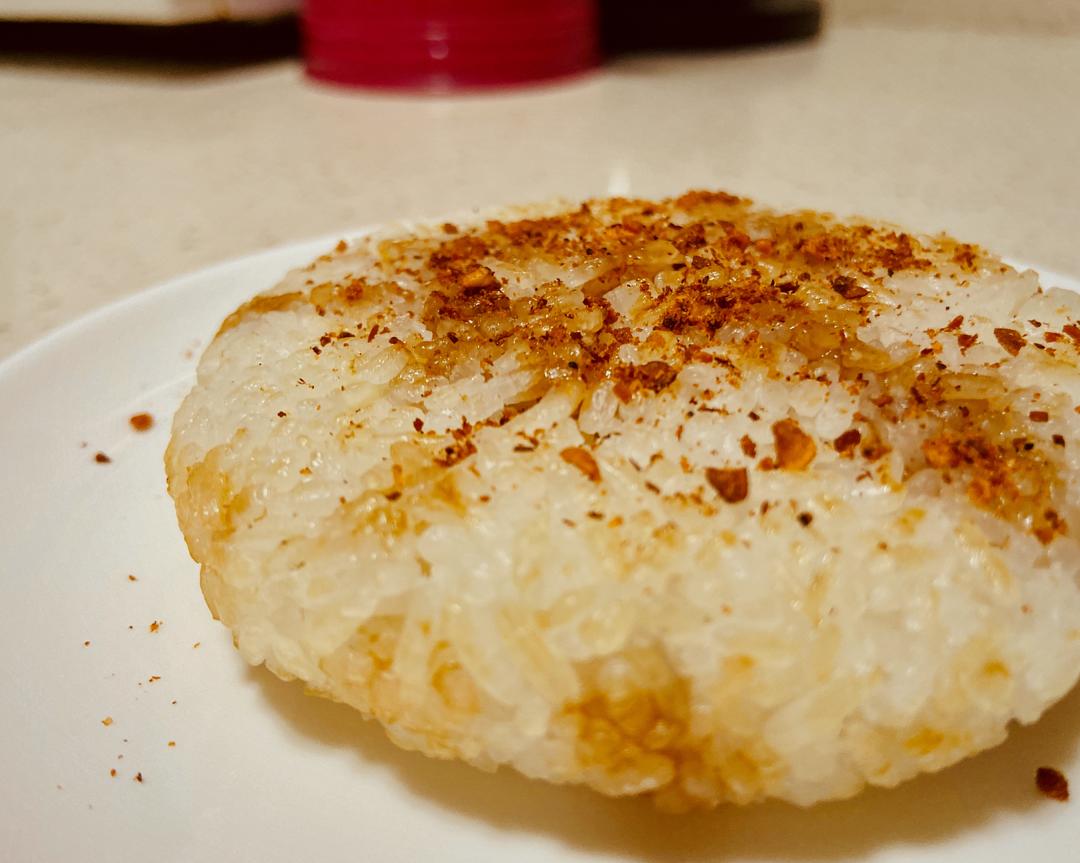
[444,44]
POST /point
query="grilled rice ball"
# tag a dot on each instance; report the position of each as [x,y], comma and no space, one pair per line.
[684,498]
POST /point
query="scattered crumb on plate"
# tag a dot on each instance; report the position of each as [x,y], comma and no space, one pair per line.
[1052,783]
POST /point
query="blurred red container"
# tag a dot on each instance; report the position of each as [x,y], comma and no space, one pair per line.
[448,44]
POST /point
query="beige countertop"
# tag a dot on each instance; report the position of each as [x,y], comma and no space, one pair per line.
[115,179]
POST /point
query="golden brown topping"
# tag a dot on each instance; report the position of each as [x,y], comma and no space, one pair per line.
[703,279]
[732,484]
[965,256]
[582,459]
[1052,783]
[1013,482]
[459,450]
[1039,416]
[101,458]
[655,376]
[1010,340]
[846,442]
[795,449]
[141,422]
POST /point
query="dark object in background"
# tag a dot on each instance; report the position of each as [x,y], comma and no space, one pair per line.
[448,44]
[215,42]
[680,25]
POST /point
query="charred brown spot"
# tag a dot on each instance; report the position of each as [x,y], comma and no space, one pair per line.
[845,444]
[732,484]
[847,287]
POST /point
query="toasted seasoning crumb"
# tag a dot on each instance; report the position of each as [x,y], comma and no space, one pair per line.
[965,341]
[154,678]
[195,646]
[101,458]
[1059,440]
[1052,783]
[795,449]
[582,459]
[86,644]
[418,424]
[112,771]
[805,518]
[282,414]
[156,625]
[138,776]
[1010,340]
[1039,416]
[748,447]
[141,422]
[132,577]
[846,442]
[172,743]
[107,721]
[732,484]
[754,416]
[341,246]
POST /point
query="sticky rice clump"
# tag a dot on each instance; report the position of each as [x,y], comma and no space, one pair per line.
[685,498]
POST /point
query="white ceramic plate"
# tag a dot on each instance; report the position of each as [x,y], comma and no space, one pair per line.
[259,771]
